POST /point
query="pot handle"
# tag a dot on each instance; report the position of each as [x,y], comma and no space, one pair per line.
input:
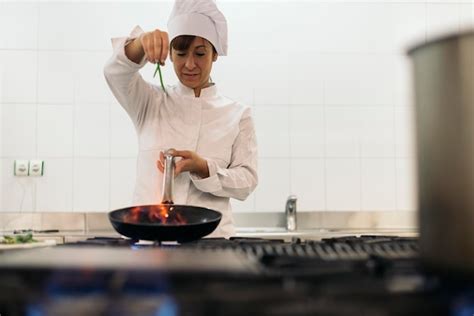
[168,178]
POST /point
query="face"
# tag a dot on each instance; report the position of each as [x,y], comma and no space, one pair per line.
[193,66]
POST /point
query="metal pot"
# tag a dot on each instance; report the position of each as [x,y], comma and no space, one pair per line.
[444,111]
[166,221]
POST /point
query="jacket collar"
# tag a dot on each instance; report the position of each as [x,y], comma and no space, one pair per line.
[208,92]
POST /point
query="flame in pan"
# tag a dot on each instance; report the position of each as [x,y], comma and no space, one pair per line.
[156,214]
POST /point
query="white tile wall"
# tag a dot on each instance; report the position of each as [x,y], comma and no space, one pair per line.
[405,184]
[270,79]
[274,184]
[18,193]
[54,191]
[122,181]
[19,130]
[20,76]
[404,127]
[238,76]
[89,85]
[378,184]
[1,140]
[343,125]
[56,72]
[271,124]
[443,18]
[377,131]
[123,141]
[308,179]
[307,131]
[92,131]
[19,24]
[329,83]
[91,187]
[246,206]
[343,184]
[396,26]
[55,131]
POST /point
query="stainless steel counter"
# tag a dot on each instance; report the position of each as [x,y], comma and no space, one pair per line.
[256,232]
[311,225]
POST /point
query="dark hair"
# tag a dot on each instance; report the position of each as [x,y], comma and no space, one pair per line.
[183,42]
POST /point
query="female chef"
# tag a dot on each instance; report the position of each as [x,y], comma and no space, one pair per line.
[213,136]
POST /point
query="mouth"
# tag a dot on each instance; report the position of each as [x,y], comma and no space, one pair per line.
[190,76]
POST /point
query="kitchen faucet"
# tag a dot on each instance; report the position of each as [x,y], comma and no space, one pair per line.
[290,211]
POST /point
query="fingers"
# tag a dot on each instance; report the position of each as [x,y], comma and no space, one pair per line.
[189,162]
[145,40]
[186,154]
[160,163]
[155,45]
[165,47]
[160,166]
[182,166]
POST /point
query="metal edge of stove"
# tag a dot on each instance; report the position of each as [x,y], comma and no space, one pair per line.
[146,259]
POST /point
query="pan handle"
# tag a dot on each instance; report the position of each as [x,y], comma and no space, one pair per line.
[168,178]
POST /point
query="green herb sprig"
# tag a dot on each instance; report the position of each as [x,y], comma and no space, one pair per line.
[158,69]
[18,239]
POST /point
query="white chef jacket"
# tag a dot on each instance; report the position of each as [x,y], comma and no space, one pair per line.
[216,128]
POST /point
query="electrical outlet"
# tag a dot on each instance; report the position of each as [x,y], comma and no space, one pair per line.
[21,168]
[36,168]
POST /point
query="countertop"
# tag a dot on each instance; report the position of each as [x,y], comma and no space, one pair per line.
[311,225]
[251,232]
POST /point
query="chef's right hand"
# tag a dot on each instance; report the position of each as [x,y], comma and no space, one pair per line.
[155,44]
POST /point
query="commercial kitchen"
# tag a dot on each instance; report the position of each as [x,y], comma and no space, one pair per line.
[365,137]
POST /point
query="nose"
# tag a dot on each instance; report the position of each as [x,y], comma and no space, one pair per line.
[190,62]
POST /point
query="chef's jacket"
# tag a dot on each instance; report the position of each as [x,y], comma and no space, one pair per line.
[216,128]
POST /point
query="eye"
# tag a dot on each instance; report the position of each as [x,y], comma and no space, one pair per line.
[180,54]
[200,54]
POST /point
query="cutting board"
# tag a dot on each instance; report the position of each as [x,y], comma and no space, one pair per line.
[42,243]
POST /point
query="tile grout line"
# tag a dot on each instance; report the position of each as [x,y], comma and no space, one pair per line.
[254,202]
[35,186]
[74,150]
[395,154]
[325,180]
[290,147]
[109,200]
[359,143]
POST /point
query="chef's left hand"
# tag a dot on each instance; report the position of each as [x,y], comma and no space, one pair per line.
[190,161]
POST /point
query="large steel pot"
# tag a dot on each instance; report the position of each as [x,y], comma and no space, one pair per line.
[444,111]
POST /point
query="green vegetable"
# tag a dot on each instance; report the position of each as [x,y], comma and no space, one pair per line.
[158,69]
[18,239]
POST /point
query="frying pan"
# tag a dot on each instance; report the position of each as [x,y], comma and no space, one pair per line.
[182,223]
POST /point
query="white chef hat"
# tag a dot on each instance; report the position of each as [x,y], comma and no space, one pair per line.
[199,18]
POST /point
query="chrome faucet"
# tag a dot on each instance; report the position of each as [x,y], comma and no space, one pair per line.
[290,211]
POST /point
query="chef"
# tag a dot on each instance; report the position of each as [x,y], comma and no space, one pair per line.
[213,137]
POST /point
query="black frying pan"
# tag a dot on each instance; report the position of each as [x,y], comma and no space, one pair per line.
[183,222]
[200,222]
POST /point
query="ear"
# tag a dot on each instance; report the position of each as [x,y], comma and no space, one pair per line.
[214,56]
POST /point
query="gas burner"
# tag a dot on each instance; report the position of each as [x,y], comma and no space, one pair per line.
[372,275]
[104,241]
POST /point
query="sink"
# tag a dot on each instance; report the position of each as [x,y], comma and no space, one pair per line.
[279,232]
[261,230]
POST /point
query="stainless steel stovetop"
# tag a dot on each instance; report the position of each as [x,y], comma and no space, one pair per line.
[367,275]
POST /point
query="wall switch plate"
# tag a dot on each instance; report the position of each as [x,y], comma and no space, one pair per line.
[20,168]
[36,168]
